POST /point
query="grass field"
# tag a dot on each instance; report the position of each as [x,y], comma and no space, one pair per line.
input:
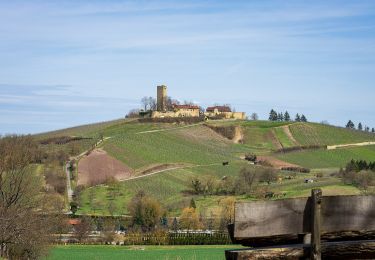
[139,252]
[329,158]
[143,145]
[318,134]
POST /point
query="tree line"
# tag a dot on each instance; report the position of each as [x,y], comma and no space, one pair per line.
[360,127]
[28,217]
[359,173]
[280,116]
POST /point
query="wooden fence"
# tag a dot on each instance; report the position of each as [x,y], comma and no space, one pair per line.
[348,221]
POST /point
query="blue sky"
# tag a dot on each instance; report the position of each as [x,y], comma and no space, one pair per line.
[66,63]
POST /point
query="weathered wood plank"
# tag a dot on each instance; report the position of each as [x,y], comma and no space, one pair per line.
[260,219]
[291,216]
[341,213]
[330,250]
[316,200]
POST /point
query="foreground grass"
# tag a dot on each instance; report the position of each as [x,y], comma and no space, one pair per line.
[139,252]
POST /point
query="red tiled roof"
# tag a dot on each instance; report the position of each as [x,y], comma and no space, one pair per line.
[74,221]
[219,108]
[185,106]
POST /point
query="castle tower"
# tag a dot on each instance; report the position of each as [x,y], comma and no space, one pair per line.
[162,98]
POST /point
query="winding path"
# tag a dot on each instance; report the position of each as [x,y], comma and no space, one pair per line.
[170,169]
[332,147]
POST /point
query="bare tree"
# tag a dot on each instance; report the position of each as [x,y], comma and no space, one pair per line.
[145,102]
[25,225]
[82,229]
[254,116]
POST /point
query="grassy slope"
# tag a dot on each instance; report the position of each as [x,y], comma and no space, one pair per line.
[147,252]
[140,150]
[197,145]
[329,158]
[318,134]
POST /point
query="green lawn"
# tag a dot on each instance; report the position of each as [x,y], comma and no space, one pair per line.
[139,252]
[329,158]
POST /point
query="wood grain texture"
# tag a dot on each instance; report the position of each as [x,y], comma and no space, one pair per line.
[293,216]
[330,250]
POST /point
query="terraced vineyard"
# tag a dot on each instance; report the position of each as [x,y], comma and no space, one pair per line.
[329,158]
[200,151]
[318,134]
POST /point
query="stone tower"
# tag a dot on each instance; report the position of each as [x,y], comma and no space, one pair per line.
[162,98]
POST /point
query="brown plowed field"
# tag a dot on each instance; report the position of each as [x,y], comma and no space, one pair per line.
[98,166]
[276,163]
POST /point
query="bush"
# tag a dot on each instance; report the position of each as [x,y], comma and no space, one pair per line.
[250,157]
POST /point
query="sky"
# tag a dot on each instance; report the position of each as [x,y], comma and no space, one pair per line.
[67,63]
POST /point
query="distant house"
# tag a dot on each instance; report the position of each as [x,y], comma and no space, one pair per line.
[218,109]
[224,112]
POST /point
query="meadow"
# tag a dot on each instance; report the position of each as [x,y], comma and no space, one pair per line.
[139,252]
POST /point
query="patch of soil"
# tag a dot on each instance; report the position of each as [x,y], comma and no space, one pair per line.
[98,167]
[276,163]
[233,133]
[238,135]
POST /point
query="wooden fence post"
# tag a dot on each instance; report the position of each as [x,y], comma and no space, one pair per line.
[316,199]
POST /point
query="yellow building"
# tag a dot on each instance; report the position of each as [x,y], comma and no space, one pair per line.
[173,110]
[224,112]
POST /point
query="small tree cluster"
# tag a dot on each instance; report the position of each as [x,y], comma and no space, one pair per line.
[275,116]
[359,173]
[244,183]
[359,165]
[146,212]
[360,127]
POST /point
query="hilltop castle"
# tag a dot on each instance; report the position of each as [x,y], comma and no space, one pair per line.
[163,109]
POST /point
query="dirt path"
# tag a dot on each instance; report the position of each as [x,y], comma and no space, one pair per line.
[69,189]
[168,129]
[289,134]
[275,141]
[332,147]
[171,169]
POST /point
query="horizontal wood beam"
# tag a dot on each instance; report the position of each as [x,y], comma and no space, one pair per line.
[330,250]
[292,216]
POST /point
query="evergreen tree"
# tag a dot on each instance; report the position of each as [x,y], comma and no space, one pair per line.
[273,115]
[360,126]
[280,117]
[286,116]
[175,225]
[298,118]
[192,203]
[367,129]
[373,130]
[350,124]
[303,118]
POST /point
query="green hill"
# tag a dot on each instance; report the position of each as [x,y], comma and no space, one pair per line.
[199,151]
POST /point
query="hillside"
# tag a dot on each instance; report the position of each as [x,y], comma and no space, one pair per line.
[179,153]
